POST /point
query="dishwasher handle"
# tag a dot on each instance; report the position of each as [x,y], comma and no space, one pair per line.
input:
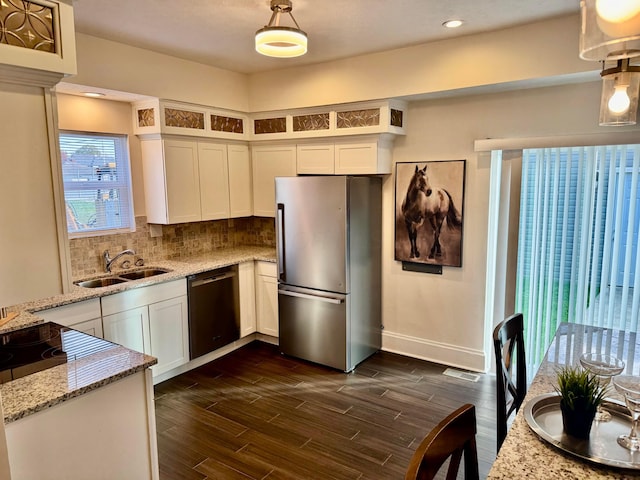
[213,278]
[336,301]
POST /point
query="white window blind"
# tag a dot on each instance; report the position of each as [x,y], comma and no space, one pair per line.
[578,243]
[97,183]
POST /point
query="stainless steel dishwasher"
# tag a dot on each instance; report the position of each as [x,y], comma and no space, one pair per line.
[213,310]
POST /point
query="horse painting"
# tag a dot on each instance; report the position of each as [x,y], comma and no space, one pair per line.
[434,204]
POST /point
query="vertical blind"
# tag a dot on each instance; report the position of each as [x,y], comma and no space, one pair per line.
[97,185]
[578,242]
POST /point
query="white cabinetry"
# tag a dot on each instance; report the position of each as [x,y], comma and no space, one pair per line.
[267,298]
[269,162]
[152,320]
[247,286]
[84,316]
[194,180]
[371,156]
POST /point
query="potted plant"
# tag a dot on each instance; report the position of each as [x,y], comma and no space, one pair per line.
[580,394]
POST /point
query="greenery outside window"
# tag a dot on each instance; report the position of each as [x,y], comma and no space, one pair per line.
[97,184]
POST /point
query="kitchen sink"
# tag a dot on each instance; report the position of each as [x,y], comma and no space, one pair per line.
[100,282]
[121,277]
[147,272]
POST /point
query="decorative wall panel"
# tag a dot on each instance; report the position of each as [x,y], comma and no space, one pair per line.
[183,118]
[220,123]
[27,25]
[396,118]
[304,123]
[358,118]
[145,117]
[270,125]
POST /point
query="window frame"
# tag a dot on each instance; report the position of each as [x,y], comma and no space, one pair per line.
[123,184]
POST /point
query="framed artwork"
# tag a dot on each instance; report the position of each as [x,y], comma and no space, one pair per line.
[429,212]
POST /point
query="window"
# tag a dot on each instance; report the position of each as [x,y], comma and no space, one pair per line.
[578,246]
[97,185]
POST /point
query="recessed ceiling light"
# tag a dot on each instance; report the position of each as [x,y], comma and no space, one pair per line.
[452,23]
[93,94]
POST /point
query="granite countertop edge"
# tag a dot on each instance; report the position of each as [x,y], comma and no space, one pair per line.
[39,391]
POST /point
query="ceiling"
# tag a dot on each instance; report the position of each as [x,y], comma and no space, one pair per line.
[220,32]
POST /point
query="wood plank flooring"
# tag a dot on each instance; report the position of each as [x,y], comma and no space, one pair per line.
[255,414]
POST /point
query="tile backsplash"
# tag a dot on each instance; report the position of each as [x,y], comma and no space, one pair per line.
[181,240]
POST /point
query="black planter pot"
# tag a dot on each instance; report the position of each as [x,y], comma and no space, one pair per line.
[577,423]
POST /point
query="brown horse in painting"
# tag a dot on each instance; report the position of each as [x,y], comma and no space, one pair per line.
[433,204]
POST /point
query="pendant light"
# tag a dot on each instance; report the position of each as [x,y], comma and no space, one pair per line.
[275,40]
[610,31]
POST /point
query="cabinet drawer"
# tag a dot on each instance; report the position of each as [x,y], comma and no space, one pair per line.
[268,269]
[73,313]
[138,297]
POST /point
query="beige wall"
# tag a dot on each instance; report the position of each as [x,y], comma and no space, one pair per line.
[115,66]
[104,116]
[29,256]
[442,317]
[533,54]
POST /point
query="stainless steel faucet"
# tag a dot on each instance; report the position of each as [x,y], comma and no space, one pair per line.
[108,261]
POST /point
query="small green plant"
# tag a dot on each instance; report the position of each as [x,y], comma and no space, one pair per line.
[579,389]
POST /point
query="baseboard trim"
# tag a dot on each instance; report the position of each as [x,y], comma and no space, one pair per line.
[437,352]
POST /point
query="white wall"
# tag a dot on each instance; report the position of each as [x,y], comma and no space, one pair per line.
[441,317]
[115,66]
[104,116]
[537,53]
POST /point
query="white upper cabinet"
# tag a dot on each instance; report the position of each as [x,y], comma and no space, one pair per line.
[369,155]
[268,163]
[315,159]
[214,183]
[240,190]
[195,180]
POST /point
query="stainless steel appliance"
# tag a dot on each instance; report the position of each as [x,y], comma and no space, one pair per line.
[328,235]
[213,310]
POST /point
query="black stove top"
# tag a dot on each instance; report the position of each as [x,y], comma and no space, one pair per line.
[33,349]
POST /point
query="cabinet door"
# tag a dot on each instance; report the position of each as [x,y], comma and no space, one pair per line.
[92,327]
[267,164]
[240,194]
[315,159]
[267,305]
[247,286]
[129,329]
[182,181]
[169,331]
[357,158]
[214,183]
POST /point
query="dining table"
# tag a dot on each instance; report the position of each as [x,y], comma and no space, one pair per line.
[526,453]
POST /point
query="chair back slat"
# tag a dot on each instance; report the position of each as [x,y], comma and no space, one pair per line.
[511,373]
[454,438]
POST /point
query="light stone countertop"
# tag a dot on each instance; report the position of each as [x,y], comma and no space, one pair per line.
[523,453]
[35,392]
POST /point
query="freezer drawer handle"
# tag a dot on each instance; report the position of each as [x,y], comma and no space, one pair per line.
[204,281]
[336,301]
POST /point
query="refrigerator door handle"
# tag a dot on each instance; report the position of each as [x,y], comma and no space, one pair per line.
[336,301]
[280,241]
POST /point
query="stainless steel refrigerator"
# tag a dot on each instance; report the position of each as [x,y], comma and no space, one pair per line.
[328,236]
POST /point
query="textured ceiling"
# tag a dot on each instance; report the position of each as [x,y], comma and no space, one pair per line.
[220,32]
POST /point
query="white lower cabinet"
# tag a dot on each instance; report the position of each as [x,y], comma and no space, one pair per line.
[247,287]
[84,316]
[152,320]
[267,298]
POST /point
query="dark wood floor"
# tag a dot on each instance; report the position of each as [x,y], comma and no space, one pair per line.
[255,414]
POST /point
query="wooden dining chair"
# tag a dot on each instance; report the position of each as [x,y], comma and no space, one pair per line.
[452,438]
[511,372]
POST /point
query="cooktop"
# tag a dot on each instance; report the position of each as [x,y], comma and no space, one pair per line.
[33,349]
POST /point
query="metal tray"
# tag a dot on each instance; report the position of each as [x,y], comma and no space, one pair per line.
[543,415]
